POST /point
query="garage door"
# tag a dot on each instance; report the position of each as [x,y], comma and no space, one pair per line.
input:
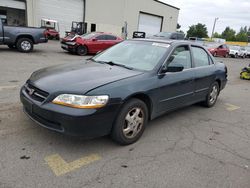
[149,24]
[64,11]
[12,4]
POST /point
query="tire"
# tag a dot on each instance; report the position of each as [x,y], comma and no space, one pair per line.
[82,50]
[12,46]
[212,95]
[130,122]
[25,45]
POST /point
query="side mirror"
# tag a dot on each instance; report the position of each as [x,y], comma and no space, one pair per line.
[94,39]
[173,68]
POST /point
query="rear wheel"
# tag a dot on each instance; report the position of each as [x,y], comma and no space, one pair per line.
[82,50]
[24,45]
[212,95]
[130,123]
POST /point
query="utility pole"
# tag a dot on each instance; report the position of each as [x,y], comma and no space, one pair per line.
[215,20]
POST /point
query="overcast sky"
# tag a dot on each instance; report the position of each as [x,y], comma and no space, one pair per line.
[233,13]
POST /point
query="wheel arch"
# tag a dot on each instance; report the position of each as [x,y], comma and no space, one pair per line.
[25,36]
[143,97]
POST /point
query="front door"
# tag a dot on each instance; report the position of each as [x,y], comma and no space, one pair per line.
[176,88]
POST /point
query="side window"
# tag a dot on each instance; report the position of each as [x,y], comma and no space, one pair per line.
[110,37]
[101,37]
[181,56]
[201,57]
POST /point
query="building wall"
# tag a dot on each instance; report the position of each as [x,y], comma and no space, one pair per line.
[110,15]
[107,15]
[133,8]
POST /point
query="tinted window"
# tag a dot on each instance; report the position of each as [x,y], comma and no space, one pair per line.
[110,37]
[101,37]
[180,56]
[200,57]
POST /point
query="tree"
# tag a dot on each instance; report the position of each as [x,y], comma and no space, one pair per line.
[229,34]
[242,36]
[217,35]
[199,30]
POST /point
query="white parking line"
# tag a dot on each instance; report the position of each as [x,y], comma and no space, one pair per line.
[8,87]
[231,107]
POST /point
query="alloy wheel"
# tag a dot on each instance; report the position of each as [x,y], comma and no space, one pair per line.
[133,123]
[213,94]
[26,46]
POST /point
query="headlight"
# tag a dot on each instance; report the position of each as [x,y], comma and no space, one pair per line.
[80,101]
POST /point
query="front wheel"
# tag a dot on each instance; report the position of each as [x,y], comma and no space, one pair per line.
[212,95]
[82,50]
[130,123]
[25,45]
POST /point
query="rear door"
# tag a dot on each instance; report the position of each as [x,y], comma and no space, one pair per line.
[177,88]
[204,72]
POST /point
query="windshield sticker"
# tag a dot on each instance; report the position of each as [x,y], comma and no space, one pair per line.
[161,45]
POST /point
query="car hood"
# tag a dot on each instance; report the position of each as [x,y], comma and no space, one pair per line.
[78,77]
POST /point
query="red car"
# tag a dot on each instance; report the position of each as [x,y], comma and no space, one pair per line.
[89,43]
[222,50]
[52,34]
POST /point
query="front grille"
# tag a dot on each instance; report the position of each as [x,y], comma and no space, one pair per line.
[36,93]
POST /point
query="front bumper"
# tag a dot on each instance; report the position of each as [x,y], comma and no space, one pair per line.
[68,47]
[88,123]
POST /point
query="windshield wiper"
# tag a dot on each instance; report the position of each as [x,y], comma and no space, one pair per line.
[116,64]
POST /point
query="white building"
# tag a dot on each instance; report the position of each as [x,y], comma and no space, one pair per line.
[150,16]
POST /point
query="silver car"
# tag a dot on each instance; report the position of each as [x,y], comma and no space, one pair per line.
[237,51]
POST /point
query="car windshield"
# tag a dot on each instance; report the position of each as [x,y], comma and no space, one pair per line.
[234,48]
[141,55]
[88,36]
[163,34]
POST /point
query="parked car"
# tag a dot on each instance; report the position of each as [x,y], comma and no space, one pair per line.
[169,36]
[243,52]
[119,90]
[234,51]
[238,51]
[221,50]
[22,38]
[248,51]
[89,43]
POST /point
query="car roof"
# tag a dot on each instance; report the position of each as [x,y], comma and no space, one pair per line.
[171,42]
